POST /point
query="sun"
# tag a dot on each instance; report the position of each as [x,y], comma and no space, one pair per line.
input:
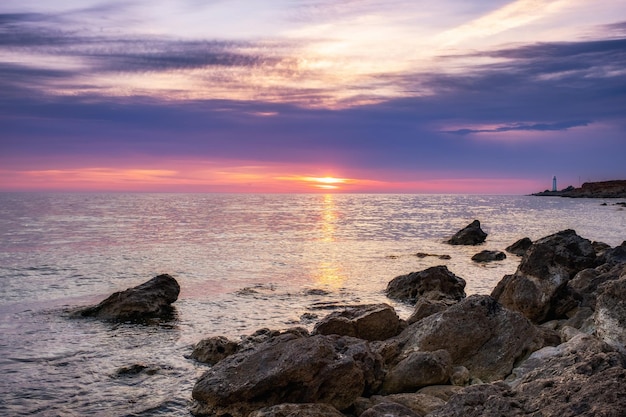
[327,183]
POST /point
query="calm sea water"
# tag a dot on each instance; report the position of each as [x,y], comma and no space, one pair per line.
[243,261]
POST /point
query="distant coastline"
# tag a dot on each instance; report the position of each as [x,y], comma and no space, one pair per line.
[602,189]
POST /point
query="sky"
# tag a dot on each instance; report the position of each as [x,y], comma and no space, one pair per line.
[397,96]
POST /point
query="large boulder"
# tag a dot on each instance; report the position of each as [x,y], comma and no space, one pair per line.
[538,288]
[582,377]
[369,322]
[610,314]
[479,334]
[290,369]
[471,234]
[152,299]
[435,283]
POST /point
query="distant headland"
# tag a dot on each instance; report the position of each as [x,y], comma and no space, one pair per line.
[602,189]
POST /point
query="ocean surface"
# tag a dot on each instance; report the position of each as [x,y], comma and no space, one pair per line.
[243,261]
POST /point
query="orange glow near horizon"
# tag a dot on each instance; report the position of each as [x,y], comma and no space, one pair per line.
[245,177]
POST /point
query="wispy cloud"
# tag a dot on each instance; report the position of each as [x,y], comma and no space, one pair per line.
[541,127]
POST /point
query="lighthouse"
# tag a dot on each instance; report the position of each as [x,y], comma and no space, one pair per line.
[554,183]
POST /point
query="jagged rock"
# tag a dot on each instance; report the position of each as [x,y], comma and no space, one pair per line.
[152,299]
[520,247]
[610,314]
[369,322]
[540,282]
[417,370]
[290,369]
[433,283]
[471,234]
[478,333]
[586,283]
[613,256]
[489,256]
[425,307]
[298,410]
[213,349]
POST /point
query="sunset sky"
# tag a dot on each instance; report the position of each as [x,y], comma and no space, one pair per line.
[450,96]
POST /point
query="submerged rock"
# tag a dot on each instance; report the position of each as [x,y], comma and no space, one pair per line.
[471,234]
[489,256]
[435,283]
[368,322]
[151,299]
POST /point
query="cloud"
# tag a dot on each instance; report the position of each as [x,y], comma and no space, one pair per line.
[541,127]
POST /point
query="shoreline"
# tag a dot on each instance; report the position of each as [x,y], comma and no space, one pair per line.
[602,189]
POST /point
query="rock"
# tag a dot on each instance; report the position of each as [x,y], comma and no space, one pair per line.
[443,392]
[425,307]
[489,256]
[213,349]
[135,369]
[369,322]
[460,376]
[586,283]
[471,234]
[389,409]
[477,332]
[539,284]
[417,370]
[297,410]
[151,299]
[290,369]
[614,256]
[434,283]
[487,400]
[419,403]
[610,314]
[520,247]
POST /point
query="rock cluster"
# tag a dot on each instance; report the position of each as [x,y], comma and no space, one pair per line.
[548,341]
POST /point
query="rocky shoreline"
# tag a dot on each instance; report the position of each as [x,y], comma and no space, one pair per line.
[603,189]
[549,340]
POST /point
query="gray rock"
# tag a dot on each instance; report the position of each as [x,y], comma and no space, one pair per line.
[390,409]
[538,289]
[152,299]
[417,370]
[610,314]
[419,403]
[290,369]
[471,234]
[369,322]
[489,256]
[435,283]
[213,349]
[478,333]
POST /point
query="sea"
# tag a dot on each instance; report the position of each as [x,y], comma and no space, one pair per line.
[243,261]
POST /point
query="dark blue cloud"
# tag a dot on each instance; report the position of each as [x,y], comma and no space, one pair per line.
[542,127]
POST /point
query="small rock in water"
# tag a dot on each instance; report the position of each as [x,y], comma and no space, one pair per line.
[471,234]
[489,256]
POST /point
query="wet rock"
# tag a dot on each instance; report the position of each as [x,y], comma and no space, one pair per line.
[471,234]
[478,333]
[520,247]
[369,322]
[539,284]
[434,283]
[290,369]
[489,256]
[213,349]
[297,410]
[610,314]
[135,370]
[417,370]
[151,299]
